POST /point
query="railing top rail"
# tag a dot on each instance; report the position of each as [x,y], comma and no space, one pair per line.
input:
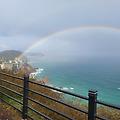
[12,76]
[108,105]
[63,91]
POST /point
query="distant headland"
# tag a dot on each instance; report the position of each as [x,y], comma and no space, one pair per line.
[9,61]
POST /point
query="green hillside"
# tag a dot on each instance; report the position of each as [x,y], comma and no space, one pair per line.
[10,54]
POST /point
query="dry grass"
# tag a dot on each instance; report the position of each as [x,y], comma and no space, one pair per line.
[109,113]
[11,113]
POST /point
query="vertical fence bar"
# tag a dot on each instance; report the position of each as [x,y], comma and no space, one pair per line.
[92,104]
[25,96]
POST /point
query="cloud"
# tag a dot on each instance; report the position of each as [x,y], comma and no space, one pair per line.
[23,23]
[3,46]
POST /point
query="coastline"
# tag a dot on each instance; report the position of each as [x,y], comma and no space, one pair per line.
[33,75]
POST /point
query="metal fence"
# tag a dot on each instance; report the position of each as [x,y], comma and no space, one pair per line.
[92,99]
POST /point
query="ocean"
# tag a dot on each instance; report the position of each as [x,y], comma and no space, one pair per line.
[80,77]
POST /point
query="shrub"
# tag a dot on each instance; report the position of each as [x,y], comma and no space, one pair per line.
[109,113]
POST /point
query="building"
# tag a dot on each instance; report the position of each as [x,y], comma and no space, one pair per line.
[6,66]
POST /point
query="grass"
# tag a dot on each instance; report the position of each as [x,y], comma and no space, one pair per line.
[107,112]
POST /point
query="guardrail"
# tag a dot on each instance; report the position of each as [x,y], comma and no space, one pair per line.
[92,99]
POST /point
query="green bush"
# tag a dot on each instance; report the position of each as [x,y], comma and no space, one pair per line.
[109,113]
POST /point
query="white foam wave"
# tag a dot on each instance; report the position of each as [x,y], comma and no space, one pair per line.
[50,85]
[71,88]
[34,74]
[65,88]
[38,70]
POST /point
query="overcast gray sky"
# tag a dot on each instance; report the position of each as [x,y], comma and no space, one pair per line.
[25,22]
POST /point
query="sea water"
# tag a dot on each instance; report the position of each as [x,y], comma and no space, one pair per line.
[79,78]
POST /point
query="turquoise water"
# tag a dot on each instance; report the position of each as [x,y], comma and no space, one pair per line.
[81,77]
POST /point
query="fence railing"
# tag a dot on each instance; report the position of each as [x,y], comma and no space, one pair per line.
[92,99]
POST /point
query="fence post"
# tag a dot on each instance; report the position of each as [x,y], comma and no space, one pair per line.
[92,104]
[25,96]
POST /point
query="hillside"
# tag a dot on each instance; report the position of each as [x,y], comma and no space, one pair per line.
[10,54]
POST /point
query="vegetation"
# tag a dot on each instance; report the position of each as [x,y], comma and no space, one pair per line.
[109,113]
[8,54]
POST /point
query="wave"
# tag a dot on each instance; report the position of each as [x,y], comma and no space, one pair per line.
[34,74]
[38,70]
[71,88]
[62,88]
[65,88]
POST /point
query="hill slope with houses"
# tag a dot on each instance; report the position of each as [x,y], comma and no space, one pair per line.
[10,54]
[9,61]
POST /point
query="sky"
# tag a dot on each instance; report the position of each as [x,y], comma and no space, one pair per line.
[25,22]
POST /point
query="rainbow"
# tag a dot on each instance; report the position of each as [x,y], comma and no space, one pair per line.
[67,30]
